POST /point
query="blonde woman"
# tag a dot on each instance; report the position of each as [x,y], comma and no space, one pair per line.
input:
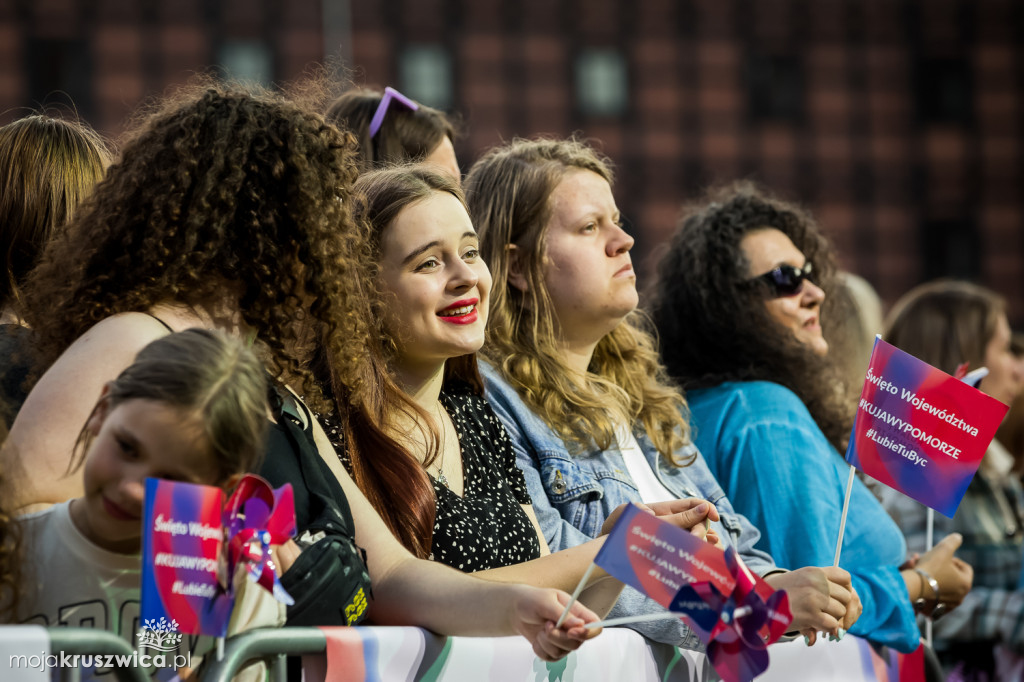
[576,381]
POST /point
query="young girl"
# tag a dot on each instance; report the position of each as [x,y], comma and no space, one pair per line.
[575,379]
[192,408]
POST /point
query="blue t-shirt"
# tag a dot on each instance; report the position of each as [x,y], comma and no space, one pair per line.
[781,472]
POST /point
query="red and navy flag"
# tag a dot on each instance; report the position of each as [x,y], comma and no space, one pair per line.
[920,430]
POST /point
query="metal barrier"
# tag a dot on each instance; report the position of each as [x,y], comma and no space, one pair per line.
[271,645]
[87,641]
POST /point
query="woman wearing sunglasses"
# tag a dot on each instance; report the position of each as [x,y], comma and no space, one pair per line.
[738,306]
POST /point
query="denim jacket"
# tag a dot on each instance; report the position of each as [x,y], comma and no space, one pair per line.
[574,494]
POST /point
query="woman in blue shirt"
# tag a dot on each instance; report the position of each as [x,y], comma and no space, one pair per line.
[738,307]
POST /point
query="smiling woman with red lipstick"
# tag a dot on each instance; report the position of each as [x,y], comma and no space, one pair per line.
[441,470]
[458,495]
[738,307]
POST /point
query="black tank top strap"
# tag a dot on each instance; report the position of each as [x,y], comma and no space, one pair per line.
[166,326]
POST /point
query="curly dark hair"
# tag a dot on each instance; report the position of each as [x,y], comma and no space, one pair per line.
[714,330]
[227,196]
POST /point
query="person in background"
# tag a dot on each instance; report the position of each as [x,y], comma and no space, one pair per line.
[737,305]
[850,325]
[577,382]
[229,209]
[47,167]
[393,129]
[1011,432]
[946,323]
[192,407]
[10,554]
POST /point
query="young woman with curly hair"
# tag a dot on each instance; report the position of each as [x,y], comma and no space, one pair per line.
[577,381]
[47,167]
[738,309]
[229,209]
[402,135]
[946,323]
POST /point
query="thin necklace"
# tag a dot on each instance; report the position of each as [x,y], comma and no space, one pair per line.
[441,478]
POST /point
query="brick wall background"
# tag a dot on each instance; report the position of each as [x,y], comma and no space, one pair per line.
[898,122]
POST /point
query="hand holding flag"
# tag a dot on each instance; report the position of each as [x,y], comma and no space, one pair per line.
[734,612]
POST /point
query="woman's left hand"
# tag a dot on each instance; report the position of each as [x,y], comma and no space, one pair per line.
[535,613]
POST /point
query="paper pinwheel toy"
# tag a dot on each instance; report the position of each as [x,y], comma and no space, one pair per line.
[734,612]
[193,543]
[256,517]
[739,625]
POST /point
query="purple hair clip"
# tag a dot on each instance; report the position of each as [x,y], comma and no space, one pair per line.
[390,94]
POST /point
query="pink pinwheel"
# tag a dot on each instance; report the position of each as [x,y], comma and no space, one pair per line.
[738,626]
[256,517]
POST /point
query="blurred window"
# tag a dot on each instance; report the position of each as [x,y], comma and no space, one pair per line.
[775,87]
[60,73]
[602,82]
[425,75]
[944,91]
[247,60]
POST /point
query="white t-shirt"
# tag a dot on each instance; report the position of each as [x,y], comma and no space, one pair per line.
[651,489]
[68,580]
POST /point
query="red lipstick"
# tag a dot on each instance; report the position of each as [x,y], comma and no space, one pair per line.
[461,312]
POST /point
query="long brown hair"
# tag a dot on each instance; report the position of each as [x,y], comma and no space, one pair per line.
[47,167]
[509,193]
[221,195]
[389,475]
[713,329]
[945,323]
[405,136]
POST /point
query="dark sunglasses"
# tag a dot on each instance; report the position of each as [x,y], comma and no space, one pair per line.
[785,279]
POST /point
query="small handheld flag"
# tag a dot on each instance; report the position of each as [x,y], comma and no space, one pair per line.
[734,612]
[192,543]
[920,430]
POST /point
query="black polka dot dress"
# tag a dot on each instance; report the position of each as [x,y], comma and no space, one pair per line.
[486,527]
